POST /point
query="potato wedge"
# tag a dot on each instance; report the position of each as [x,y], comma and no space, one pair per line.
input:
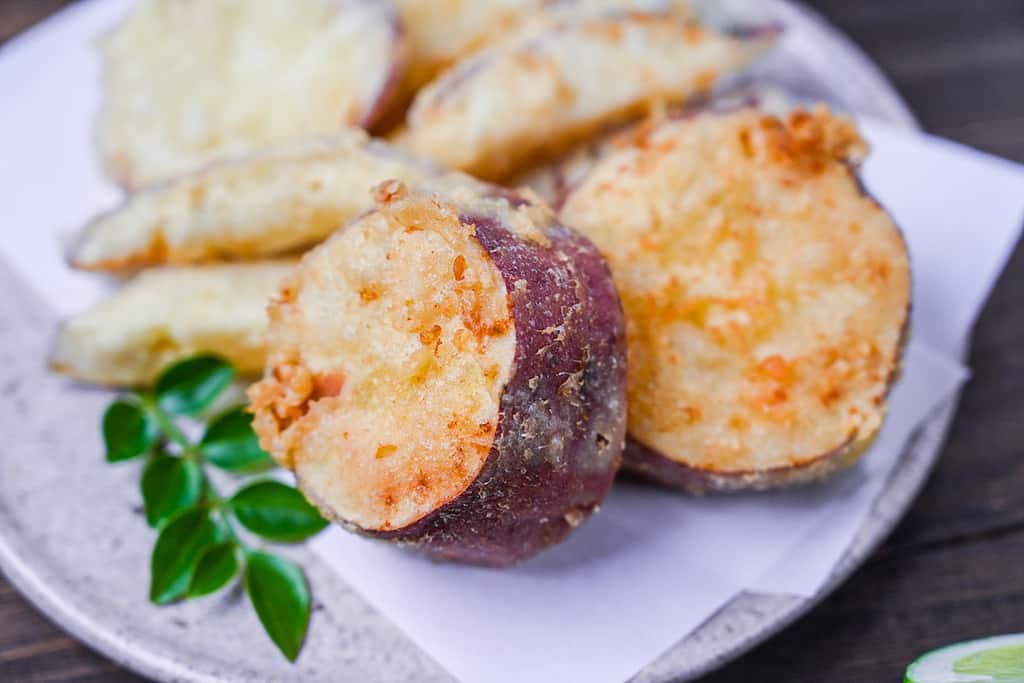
[766,296]
[278,200]
[529,98]
[447,373]
[441,32]
[191,81]
[168,313]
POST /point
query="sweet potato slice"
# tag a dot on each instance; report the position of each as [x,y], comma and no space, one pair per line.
[500,109]
[766,296]
[555,179]
[440,33]
[167,313]
[448,373]
[191,81]
[278,200]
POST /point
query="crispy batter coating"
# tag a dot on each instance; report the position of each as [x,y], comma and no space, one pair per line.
[766,294]
[168,313]
[191,81]
[408,316]
[277,200]
[534,94]
[441,32]
[448,372]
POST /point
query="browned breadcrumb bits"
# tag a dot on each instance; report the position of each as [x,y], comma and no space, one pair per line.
[390,191]
[810,140]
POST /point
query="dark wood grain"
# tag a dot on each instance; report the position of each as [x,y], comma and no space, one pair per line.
[953,568]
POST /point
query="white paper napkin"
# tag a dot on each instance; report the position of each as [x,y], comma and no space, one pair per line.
[645,571]
[652,565]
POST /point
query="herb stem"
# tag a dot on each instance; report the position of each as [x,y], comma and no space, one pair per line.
[191,450]
[167,425]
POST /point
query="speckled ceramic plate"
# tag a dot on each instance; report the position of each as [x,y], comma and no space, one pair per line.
[70,533]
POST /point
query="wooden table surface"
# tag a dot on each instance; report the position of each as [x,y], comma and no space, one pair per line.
[954,569]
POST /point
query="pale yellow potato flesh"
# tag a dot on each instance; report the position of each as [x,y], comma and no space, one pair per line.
[165,314]
[280,199]
[190,81]
[390,349]
[766,295]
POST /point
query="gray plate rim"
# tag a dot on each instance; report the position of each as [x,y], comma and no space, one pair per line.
[740,625]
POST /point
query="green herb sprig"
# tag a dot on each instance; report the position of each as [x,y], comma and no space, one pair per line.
[199,548]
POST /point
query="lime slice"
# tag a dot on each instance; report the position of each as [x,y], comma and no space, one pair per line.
[999,659]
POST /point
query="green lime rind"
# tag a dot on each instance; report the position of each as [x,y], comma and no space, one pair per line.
[1002,663]
[999,659]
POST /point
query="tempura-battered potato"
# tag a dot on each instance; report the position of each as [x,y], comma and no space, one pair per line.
[500,109]
[766,296]
[441,32]
[191,81]
[281,199]
[447,372]
[554,180]
[169,313]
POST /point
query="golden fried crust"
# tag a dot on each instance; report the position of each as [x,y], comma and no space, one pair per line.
[766,294]
[191,81]
[281,199]
[391,346]
[533,95]
[553,180]
[441,32]
[168,313]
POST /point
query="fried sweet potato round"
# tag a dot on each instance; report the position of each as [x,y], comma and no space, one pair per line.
[766,295]
[448,372]
[191,81]
[554,180]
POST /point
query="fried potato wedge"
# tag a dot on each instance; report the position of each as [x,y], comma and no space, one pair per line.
[278,200]
[440,33]
[766,295]
[167,313]
[191,81]
[533,96]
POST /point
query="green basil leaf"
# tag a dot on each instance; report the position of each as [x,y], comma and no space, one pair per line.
[279,594]
[128,431]
[178,548]
[190,385]
[217,566]
[275,511]
[231,444]
[169,485]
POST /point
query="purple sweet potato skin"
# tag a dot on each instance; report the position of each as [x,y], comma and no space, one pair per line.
[562,416]
[375,117]
[646,463]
